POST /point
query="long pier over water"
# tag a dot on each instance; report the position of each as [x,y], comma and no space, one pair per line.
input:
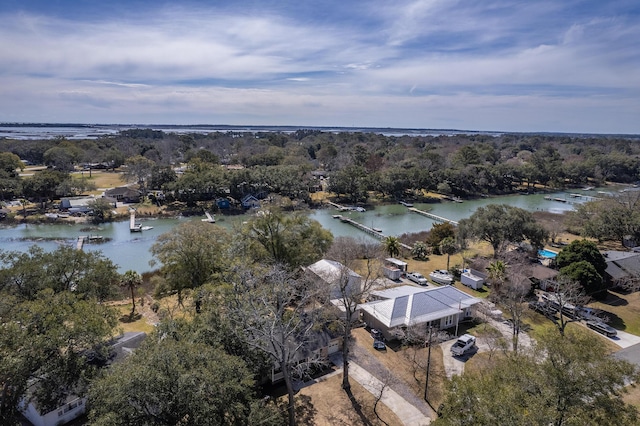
[370,231]
[433,216]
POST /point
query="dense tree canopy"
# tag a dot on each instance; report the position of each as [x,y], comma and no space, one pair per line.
[191,254]
[565,381]
[582,250]
[289,239]
[500,224]
[88,274]
[171,382]
[50,317]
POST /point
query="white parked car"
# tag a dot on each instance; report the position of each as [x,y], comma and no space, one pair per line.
[417,278]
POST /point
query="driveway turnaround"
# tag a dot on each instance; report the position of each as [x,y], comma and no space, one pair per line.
[624,339]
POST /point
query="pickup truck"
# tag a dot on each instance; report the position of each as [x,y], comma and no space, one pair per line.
[464,344]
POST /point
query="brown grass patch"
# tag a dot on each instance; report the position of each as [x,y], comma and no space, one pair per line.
[330,404]
[103,179]
[409,366]
[633,395]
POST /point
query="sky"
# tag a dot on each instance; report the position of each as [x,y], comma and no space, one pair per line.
[491,65]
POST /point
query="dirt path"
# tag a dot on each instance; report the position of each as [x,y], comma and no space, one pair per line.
[368,362]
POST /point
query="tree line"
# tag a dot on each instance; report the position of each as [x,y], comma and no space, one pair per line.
[358,164]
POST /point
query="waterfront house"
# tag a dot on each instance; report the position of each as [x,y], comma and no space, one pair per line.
[123,194]
[250,202]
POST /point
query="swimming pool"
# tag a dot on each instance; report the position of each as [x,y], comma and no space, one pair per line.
[547,253]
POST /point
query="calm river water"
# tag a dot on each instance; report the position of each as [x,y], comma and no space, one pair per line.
[131,250]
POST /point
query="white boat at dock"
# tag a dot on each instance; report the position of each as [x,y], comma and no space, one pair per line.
[440,276]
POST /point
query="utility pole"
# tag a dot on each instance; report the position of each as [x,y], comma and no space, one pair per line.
[426,382]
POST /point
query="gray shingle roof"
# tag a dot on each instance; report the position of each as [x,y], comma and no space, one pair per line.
[416,307]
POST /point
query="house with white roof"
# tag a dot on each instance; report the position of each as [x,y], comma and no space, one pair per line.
[331,274]
[400,307]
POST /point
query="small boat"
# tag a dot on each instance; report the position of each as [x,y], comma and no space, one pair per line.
[146,228]
[404,203]
[377,229]
[440,276]
[360,209]
[53,216]
[336,216]
[587,188]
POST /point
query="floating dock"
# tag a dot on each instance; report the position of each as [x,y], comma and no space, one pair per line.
[433,216]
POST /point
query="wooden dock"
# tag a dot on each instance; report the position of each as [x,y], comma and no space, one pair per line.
[371,231]
[337,206]
[433,216]
[133,226]
[80,242]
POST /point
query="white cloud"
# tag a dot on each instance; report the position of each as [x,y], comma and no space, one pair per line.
[413,63]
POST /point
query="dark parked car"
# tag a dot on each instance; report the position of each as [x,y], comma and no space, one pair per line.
[379,344]
[602,328]
[376,334]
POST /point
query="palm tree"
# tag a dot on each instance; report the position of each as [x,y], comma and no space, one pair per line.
[131,279]
[420,251]
[497,272]
[391,246]
[448,246]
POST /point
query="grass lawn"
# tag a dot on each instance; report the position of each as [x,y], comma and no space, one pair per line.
[623,311]
[633,397]
[140,322]
[102,179]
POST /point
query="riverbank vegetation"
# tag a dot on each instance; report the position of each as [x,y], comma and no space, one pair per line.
[196,168]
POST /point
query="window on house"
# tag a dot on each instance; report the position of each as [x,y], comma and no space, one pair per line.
[448,320]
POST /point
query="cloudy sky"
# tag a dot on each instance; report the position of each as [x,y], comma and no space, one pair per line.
[530,65]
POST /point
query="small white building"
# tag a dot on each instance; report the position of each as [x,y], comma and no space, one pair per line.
[394,268]
[472,278]
[75,406]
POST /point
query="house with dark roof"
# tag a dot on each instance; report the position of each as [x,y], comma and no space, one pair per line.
[123,194]
[250,202]
[394,310]
[623,268]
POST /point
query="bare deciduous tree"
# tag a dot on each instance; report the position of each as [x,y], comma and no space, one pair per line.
[365,258]
[273,308]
